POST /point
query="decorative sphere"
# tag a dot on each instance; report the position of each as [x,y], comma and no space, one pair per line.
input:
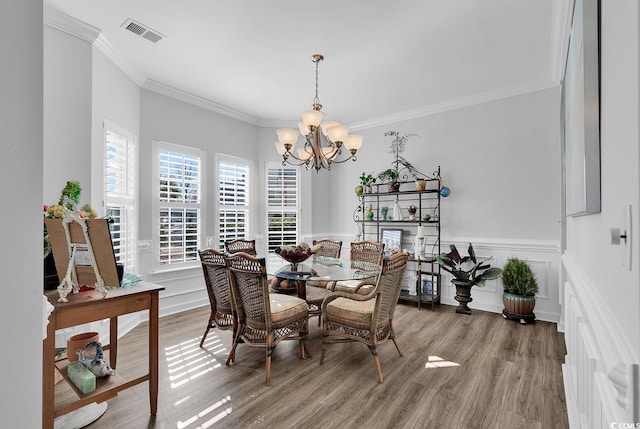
[445,192]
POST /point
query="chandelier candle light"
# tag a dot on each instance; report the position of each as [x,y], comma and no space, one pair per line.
[315,154]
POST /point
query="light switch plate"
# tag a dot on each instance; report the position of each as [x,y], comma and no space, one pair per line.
[625,243]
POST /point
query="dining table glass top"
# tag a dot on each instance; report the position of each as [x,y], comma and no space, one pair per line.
[320,268]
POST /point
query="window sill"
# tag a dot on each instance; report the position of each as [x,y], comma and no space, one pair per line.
[168,270]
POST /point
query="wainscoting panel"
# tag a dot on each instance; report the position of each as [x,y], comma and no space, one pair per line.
[601,386]
[542,256]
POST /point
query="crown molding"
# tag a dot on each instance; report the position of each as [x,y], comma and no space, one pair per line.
[67,24]
[70,25]
[202,102]
[109,51]
[459,103]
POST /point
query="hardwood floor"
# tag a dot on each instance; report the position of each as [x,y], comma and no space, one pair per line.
[458,371]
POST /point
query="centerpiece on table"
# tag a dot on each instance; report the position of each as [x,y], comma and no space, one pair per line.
[297,254]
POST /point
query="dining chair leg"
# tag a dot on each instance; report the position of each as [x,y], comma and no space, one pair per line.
[376,361]
[206,332]
[269,351]
[304,343]
[236,340]
[232,353]
[392,335]
[378,368]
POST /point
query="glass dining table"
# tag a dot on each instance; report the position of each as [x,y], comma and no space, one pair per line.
[317,268]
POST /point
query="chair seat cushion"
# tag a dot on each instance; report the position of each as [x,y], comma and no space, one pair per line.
[286,309]
[317,283]
[316,294]
[348,312]
[349,286]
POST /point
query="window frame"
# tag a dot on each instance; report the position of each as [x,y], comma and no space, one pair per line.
[158,147]
[130,200]
[218,241]
[268,207]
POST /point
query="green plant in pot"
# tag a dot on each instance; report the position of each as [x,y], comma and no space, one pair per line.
[400,168]
[467,271]
[366,181]
[520,288]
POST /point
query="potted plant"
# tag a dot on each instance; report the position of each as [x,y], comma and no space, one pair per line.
[467,271]
[400,167]
[520,287]
[366,180]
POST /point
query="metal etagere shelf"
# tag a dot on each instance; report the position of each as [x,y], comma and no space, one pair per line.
[397,219]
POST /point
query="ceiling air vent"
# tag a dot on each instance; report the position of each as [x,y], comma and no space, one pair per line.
[142,30]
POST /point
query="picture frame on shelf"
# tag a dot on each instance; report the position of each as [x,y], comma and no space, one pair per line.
[392,239]
[428,286]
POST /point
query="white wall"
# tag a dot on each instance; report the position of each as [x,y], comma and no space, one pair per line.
[601,296]
[67,114]
[501,160]
[21,82]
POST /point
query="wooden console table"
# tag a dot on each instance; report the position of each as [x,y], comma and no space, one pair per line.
[90,306]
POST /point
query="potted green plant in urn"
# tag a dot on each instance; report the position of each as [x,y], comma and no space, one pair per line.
[520,288]
[467,271]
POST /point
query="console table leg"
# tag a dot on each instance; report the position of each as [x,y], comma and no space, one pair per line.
[153,354]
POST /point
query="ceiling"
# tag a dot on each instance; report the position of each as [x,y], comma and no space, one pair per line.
[384,61]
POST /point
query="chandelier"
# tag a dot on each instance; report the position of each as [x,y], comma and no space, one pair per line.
[315,153]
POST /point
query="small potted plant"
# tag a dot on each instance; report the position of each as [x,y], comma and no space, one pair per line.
[520,288]
[366,180]
[467,271]
[400,166]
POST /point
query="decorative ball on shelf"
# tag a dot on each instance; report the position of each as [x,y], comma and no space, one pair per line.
[445,192]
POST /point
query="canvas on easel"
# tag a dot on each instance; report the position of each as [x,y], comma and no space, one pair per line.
[83,271]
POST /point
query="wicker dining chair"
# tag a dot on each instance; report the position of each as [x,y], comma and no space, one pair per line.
[365,255]
[316,290]
[216,279]
[241,245]
[266,319]
[349,317]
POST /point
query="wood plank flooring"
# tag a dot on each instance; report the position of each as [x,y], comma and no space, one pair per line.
[458,371]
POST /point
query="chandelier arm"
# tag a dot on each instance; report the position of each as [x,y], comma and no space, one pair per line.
[351,158]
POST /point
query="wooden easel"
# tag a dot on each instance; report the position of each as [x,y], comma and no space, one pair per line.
[83,252]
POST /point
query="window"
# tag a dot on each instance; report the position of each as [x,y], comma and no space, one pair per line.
[233,199]
[283,205]
[120,193]
[179,172]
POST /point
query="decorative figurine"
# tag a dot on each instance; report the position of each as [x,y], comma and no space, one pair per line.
[93,358]
[383,212]
[412,212]
[370,212]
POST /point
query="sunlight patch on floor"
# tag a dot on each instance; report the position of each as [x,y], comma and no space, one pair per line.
[187,361]
[438,362]
[204,414]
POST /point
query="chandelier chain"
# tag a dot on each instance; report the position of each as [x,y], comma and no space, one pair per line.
[316,100]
